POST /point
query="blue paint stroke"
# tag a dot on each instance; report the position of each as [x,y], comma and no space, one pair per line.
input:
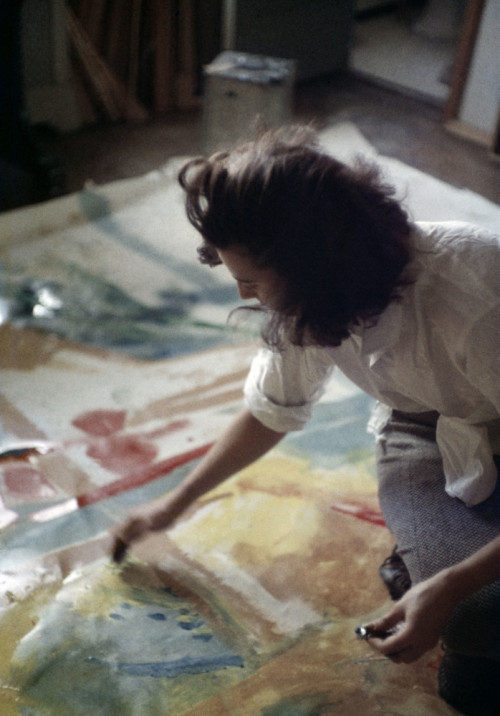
[203,637]
[85,308]
[190,625]
[187,665]
[158,617]
[98,209]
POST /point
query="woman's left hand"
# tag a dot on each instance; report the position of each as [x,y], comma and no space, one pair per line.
[416,621]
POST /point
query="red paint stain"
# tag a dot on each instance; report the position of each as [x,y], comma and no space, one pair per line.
[137,478]
[101,423]
[122,454]
[27,483]
[360,513]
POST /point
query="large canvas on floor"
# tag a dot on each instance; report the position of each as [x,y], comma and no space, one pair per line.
[118,371]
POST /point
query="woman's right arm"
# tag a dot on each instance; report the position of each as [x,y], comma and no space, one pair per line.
[240,445]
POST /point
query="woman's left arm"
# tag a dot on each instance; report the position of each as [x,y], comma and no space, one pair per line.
[418,618]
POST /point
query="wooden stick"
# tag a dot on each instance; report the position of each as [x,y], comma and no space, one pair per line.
[88,111]
[84,11]
[470,28]
[186,76]
[94,22]
[109,90]
[115,50]
[133,56]
[163,77]
[495,147]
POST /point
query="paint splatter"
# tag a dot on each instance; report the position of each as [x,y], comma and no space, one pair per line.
[122,454]
[190,625]
[24,482]
[360,512]
[101,423]
[142,476]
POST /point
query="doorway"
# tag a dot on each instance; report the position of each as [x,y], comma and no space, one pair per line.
[408,45]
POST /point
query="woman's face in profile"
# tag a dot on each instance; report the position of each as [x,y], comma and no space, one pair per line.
[253,281]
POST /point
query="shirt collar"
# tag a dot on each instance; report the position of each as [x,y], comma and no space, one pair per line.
[373,339]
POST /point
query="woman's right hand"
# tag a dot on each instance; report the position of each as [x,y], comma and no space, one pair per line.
[244,441]
[140,521]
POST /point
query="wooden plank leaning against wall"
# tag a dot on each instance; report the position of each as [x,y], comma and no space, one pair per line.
[469,35]
[133,60]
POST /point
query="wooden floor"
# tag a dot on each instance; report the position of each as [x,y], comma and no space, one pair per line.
[399,126]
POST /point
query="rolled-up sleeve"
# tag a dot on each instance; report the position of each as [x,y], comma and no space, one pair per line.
[282,387]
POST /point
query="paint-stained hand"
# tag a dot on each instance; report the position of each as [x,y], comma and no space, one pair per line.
[415,623]
[153,516]
[130,531]
[140,521]
[119,550]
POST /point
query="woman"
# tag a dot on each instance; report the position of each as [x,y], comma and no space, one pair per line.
[410,313]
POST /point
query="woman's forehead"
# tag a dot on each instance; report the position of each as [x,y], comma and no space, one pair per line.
[241,264]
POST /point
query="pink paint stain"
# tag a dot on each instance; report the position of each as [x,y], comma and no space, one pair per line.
[101,423]
[129,455]
[360,512]
[27,483]
[122,454]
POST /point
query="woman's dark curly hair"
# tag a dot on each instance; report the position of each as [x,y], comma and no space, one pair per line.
[335,234]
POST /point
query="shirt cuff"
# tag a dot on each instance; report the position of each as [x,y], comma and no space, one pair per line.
[281,418]
[277,401]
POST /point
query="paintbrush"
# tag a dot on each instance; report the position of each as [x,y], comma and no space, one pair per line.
[119,550]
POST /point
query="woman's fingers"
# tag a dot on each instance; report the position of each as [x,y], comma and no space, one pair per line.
[119,550]
[387,625]
[130,531]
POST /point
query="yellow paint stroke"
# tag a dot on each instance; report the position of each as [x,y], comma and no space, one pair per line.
[274,508]
[270,545]
[272,530]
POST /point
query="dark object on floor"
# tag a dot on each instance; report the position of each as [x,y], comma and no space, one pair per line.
[470,684]
[363,632]
[119,550]
[395,576]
